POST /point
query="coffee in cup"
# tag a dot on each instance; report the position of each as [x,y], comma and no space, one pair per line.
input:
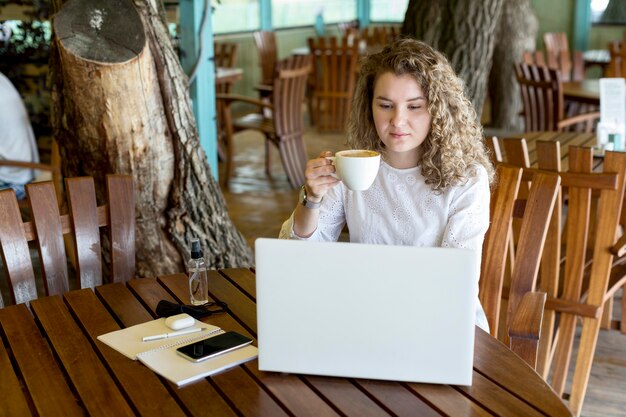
[357,168]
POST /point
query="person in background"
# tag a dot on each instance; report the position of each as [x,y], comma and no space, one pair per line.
[17,140]
[432,187]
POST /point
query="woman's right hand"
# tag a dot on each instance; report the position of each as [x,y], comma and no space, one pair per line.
[318,177]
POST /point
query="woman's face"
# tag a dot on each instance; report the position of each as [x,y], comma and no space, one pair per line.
[400,112]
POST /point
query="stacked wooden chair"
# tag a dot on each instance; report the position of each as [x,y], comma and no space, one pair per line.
[542,98]
[282,125]
[617,65]
[578,272]
[522,316]
[570,65]
[265,42]
[334,77]
[225,57]
[83,222]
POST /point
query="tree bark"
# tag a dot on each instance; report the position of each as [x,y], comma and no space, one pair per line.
[463,30]
[516,33]
[121,105]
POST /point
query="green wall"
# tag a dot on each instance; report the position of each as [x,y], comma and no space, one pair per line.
[559,15]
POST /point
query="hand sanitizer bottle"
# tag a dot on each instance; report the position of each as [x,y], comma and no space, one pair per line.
[198,280]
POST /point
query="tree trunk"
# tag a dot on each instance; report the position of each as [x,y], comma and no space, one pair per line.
[121,105]
[516,34]
[465,31]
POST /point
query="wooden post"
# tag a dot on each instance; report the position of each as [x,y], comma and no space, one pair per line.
[202,88]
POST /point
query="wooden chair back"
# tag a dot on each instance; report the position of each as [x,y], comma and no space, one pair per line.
[617,65]
[558,56]
[284,126]
[334,77]
[542,98]
[577,265]
[265,42]
[524,311]
[82,222]
[534,58]
[377,37]
[225,57]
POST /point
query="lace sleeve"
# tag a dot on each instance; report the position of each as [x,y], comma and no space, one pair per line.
[331,220]
[469,214]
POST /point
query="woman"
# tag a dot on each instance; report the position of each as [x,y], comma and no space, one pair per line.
[432,188]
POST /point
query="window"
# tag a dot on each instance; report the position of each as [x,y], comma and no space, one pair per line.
[608,12]
[388,11]
[290,13]
[235,16]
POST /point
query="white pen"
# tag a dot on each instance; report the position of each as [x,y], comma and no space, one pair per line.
[172,334]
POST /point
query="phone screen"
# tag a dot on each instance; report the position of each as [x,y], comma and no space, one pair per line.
[213,346]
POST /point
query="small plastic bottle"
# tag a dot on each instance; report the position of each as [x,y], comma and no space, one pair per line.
[198,280]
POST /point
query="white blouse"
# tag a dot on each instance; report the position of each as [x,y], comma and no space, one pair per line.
[401,209]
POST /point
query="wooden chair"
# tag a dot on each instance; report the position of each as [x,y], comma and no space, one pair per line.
[334,77]
[542,98]
[570,65]
[377,37]
[523,316]
[577,271]
[82,222]
[265,42]
[284,128]
[617,65]
[225,57]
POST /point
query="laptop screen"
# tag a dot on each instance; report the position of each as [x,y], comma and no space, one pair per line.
[369,311]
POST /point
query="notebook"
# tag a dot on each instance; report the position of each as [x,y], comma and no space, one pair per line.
[161,357]
[367,311]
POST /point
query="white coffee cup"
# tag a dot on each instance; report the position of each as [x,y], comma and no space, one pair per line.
[357,168]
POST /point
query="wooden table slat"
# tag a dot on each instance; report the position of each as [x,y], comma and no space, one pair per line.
[94,385]
[497,400]
[401,402]
[127,309]
[243,278]
[43,378]
[224,290]
[449,401]
[142,386]
[499,368]
[345,396]
[12,401]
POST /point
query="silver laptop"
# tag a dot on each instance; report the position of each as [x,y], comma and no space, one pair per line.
[366,311]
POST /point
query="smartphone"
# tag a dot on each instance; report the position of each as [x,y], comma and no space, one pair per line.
[213,346]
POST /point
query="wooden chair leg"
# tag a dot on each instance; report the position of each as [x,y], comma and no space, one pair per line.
[607,314]
[622,325]
[588,341]
[566,333]
[268,160]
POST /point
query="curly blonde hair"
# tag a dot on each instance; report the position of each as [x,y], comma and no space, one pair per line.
[454,145]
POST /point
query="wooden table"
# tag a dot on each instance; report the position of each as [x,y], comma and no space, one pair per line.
[52,364]
[566,139]
[586,91]
[227,75]
[600,57]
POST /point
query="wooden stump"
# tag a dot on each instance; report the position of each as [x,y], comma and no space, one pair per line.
[122,106]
